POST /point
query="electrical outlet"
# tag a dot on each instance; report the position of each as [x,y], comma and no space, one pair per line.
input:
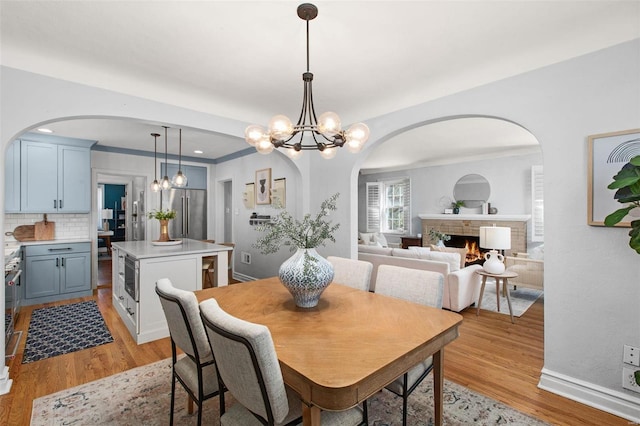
[629,380]
[631,355]
[245,257]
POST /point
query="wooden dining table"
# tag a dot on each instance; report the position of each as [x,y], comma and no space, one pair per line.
[350,346]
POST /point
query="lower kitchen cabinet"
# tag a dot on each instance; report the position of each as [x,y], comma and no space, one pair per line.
[56,271]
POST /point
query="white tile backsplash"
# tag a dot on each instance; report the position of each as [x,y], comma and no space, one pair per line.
[72,225]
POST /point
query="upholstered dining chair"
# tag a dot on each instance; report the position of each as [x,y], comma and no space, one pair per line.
[352,272]
[418,286]
[248,367]
[196,371]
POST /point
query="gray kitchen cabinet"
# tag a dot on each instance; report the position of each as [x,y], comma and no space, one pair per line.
[56,271]
[12,178]
[55,177]
[196,175]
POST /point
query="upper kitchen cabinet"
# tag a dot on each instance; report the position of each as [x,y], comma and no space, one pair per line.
[12,178]
[55,175]
[196,175]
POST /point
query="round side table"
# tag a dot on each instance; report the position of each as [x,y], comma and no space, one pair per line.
[504,277]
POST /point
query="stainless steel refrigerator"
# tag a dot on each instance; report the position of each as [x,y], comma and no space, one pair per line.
[191,212]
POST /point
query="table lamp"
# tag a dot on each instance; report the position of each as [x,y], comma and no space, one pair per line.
[494,238]
[106,215]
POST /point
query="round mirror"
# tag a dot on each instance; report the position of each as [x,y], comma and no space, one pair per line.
[473,189]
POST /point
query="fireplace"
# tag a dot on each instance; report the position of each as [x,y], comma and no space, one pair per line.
[475,254]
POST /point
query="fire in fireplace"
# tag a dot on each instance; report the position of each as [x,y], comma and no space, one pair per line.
[475,254]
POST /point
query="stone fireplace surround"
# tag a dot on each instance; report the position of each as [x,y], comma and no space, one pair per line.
[469,225]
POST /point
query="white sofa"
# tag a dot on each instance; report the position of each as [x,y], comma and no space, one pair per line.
[461,285]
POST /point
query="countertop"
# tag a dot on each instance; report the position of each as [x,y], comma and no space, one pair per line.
[144,249]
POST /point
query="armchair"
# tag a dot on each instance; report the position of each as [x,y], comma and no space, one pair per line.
[530,271]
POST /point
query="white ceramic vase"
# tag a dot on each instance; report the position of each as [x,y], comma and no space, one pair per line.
[306,274]
[493,262]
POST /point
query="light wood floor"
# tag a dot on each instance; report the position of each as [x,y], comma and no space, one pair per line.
[492,357]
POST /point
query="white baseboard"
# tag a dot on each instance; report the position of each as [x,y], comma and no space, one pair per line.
[614,402]
[242,277]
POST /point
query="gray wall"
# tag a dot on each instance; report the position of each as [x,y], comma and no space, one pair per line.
[591,275]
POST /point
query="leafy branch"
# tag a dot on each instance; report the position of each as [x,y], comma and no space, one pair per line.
[627,183]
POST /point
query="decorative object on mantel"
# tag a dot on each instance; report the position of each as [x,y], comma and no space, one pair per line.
[456,206]
[439,237]
[305,274]
[473,189]
[627,183]
[163,216]
[495,238]
[325,131]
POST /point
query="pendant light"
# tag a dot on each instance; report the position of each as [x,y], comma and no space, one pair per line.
[165,184]
[155,186]
[179,179]
[323,133]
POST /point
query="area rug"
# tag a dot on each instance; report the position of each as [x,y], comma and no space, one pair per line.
[63,329]
[521,299]
[141,396]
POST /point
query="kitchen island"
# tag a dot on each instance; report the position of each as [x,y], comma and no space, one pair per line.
[137,265]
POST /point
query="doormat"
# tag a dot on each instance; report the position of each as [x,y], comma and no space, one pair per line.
[63,329]
[142,395]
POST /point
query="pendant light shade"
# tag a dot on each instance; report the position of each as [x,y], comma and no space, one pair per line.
[179,180]
[165,184]
[155,185]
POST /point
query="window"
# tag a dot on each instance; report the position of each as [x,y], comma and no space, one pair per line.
[537,204]
[388,206]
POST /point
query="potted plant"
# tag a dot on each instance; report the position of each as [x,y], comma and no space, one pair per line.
[627,183]
[438,237]
[305,274]
[163,217]
[456,206]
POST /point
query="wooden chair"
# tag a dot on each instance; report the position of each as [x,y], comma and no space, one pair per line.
[351,272]
[196,371]
[418,286]
[248,367]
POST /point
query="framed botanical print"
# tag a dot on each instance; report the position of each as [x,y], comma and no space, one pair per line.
[608,152]
[279,193]
[263,186]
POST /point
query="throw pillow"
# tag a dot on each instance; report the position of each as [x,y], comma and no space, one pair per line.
[461,251]
[400,252]
[419,249]
[367,237]
[380,239]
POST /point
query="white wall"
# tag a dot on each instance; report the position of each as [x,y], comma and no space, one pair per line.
[591,275]
[509,178]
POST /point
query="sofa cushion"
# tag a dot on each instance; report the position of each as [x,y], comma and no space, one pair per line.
[420,250]
[380,239]
[374,249]
[461,251]
[453,259]
[400,252]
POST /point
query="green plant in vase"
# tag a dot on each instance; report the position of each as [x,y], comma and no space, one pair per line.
[627,184]
[305,274]
[163,216]
[456,206]
[438,237]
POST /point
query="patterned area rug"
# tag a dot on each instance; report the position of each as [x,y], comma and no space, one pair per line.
[142,396]
[521,299]
[62,329]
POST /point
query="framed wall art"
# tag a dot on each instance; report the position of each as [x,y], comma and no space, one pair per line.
[263,186]
[608,152]
[248,196]
[279,193]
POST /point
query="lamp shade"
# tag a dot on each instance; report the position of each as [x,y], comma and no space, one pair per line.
[495,237]
[107,214]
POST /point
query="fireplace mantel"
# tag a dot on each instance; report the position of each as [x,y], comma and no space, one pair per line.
[469,225]
[483,217]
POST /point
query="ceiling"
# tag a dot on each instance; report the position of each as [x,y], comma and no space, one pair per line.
[243,60]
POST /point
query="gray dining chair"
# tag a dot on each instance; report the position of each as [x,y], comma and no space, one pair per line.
[196,371]
[351,272]
[248,367]
[418,286]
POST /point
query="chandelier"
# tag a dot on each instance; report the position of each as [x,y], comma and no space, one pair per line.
[324,132]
